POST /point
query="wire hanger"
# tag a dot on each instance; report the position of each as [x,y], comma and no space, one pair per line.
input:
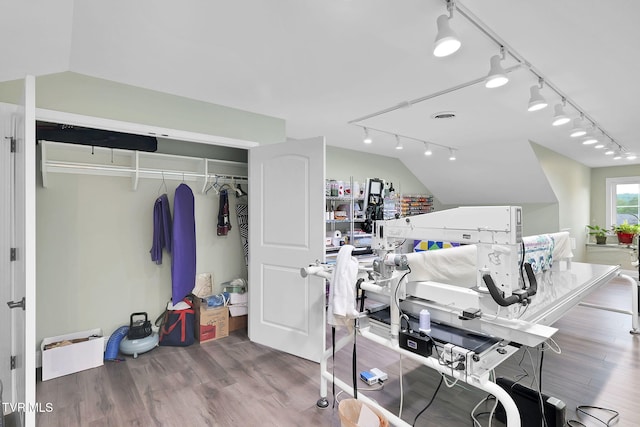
[163,184]
[213,186]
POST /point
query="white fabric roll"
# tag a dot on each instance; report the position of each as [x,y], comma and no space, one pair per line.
[453,266]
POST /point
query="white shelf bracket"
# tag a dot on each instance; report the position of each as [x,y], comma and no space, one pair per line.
[136,170]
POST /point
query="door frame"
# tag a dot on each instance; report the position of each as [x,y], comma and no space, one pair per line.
[97,123]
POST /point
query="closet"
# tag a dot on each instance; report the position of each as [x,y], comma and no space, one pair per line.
[95,224]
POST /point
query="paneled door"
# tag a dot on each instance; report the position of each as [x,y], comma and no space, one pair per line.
[286,232]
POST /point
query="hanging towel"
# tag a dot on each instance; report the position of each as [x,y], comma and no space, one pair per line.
[223,214]
[342,290]
[183,261]
[161,228]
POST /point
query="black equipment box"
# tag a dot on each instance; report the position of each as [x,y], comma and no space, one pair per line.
[415,342]
[528,402]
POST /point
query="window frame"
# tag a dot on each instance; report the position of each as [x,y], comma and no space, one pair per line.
[611,195]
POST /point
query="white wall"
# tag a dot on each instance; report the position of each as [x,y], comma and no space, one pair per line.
[94,235]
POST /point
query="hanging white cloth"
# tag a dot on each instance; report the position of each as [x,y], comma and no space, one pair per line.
[342,289]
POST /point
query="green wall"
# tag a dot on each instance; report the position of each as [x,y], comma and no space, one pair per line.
[80,94]
[571,182]
[343,164]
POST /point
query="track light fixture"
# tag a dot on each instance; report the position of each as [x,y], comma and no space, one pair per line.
[610,150]
[447,41]
[617,155]
[452,154]
[428,146]
[398,143]
[497,75]
[631,156]
[578,129]
[560,117]
[367,139]
[537,101]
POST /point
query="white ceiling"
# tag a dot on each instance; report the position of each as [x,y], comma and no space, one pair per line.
[321,64]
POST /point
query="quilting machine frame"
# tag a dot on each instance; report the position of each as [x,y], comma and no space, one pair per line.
[559,291]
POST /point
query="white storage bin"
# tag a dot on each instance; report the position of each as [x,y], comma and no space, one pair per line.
[238,304]
[75,357]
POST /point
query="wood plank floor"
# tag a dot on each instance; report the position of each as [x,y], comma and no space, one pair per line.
[234,382]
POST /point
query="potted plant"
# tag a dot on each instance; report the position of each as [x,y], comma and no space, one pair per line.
[626,232]
[599,233]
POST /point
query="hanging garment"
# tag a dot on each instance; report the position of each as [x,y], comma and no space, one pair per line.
[161,228]
[342,289]
[183,260]
[223,214]
[242,211]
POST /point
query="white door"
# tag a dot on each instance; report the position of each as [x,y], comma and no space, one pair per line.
[22,225]
[286,233]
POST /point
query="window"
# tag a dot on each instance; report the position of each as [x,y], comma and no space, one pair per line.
[623,200]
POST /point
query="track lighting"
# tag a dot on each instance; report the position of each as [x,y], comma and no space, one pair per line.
[367,139]
[497,75]
[617,155]
[589,139]
[631,156]
[452,154]
[578,129]
[537,101]
[428,146]
[610,151]
[599,145]
[447,41]
[560,117]
[398,143]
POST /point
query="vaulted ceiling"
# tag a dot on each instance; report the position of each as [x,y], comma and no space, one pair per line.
[322,64]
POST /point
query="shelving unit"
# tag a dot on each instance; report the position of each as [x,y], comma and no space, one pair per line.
[415,204]
[81,159]
[349,225]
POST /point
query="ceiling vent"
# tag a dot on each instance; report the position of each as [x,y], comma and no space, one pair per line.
[444,115]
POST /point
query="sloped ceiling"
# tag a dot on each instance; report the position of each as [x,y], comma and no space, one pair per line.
[321,64]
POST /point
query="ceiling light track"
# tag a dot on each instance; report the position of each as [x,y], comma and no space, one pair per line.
[399,146]
[406,104]
[478,24]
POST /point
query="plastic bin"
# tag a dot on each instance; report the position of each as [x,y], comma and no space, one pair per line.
[349,411]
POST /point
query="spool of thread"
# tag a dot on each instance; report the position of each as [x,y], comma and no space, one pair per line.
[425,321]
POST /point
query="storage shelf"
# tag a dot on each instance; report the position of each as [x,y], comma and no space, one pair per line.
[60,157]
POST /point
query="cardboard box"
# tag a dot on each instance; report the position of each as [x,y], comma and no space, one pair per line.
[74,357]
[238,322]
[211,323]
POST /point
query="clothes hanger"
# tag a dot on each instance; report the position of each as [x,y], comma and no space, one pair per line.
[163,184]
[213,187]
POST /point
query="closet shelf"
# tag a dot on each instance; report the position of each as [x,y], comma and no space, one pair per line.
[80,159]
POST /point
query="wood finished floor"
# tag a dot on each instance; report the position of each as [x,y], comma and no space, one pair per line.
[233,382]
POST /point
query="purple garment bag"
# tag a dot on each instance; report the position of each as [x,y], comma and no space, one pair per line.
[183,260]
